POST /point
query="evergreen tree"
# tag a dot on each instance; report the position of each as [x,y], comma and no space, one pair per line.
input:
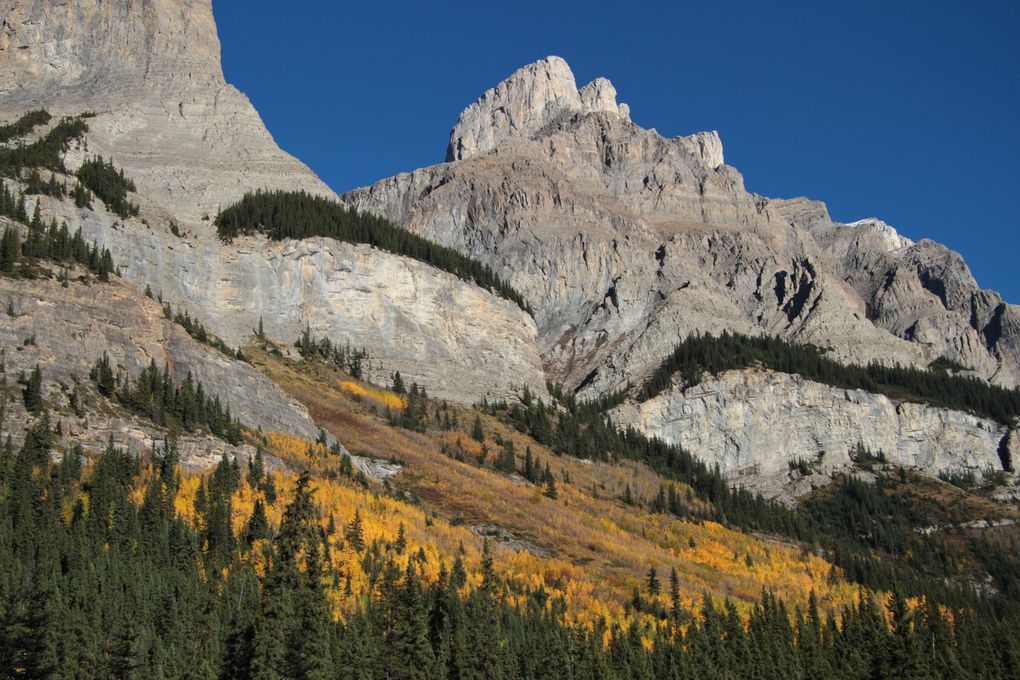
[652,582]
[477,433]
[32,392]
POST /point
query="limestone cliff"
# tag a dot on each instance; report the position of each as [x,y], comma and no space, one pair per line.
[192,143]
[626,241]
[755,423]
[66,330]
[151,72]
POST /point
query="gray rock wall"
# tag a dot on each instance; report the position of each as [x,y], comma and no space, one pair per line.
[753,423]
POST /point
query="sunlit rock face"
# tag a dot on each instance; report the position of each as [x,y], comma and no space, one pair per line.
[192,143]
[754,424]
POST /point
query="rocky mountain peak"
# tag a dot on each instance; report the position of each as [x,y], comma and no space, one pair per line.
[151,73]
[886,234]
[524,103]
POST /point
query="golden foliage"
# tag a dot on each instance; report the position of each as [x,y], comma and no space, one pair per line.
[380,396]
[592,549]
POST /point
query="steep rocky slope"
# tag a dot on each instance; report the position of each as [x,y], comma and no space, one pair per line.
[65,330]
[755,423]
[192,143]
[625,240]
[151,73]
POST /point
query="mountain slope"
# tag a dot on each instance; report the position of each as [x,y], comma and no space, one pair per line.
[626,242]
[193,144]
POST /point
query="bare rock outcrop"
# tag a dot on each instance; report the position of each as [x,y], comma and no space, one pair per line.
[193,144]
[151,73]
[624,241]
[754,424]
[455,338]
[525,103]
[922,292]
[65,330]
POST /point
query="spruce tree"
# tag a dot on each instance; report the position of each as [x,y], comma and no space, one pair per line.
[32,392]
[477,433]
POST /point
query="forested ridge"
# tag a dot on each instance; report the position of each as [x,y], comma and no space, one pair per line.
[52,243]
[22,126]
[101,576]
[95,177]
[154,394]
[46,152]
[298,215]
[700,354]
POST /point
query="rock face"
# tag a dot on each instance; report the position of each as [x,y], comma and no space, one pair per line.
[71,328]
[625,241]
[451,336]
[525,103]
[192,144]
[151,72]
[925,293]
[753,424]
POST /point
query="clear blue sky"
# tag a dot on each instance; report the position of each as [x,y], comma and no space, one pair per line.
[906,110]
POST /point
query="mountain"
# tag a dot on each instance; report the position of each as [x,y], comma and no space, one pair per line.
[193,144]
[626,242]
[572,403]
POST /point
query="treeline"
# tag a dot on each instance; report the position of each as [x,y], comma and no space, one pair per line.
[96,584]
[700,354]
[298,215]
[583,430]
[154,395]
[46,152]
[108,183]
[95,176]
[195,329]
[42,242]
[343,357]
[22,126]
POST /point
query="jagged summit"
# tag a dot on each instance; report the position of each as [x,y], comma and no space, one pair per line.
[542,97]
[892,239]
[531,98]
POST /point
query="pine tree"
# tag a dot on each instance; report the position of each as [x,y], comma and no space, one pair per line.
[10,250]
[477,433]
[528,471]
[401,543]
[355,534]
[32,392]
[628,496]
[652,582]
[550,488]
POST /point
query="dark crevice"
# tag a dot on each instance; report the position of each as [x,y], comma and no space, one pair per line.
[933,285]
[1005,456]
[993,329]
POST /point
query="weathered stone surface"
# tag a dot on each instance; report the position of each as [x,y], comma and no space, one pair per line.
[458,340]
[71,328]
[522,105]
[151,72]
[625,241]
[922,292]
[192,143]
[754,423]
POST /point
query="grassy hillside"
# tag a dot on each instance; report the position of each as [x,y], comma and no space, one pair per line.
[597,549]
